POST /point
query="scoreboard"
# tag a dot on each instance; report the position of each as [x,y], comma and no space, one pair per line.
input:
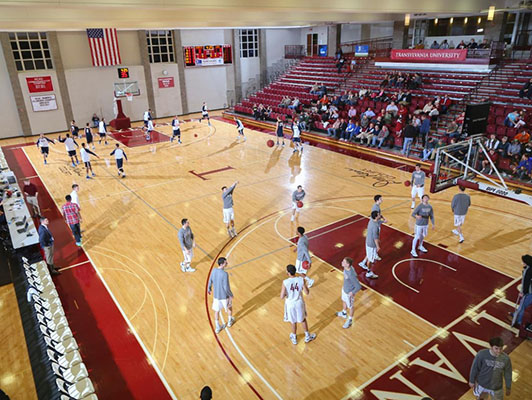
[208,55]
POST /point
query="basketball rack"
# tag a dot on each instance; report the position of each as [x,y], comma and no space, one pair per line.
[465,163]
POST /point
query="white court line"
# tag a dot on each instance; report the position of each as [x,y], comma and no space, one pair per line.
[73,266]
[150,358]
[416,259]
[408,343]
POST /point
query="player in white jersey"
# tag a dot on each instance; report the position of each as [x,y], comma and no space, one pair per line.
[119,157]
[70,145]
[149,129]
[86,159]
[296,137]
[146,116]
[205,114]
[176,130]
[240,129]
[102,131]
[43,144]
[294,305]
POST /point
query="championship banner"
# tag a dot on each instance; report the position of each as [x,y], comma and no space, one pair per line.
[167,82]
[429,55]
[38,84]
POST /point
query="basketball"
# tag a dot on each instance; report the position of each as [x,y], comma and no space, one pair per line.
[305,265]
[407,183]
[299,204]
[270,143]
[195,135]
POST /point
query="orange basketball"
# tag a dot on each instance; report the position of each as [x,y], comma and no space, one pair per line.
[270,143]
[305,265]
[299,204]
[195,135]
[407,183]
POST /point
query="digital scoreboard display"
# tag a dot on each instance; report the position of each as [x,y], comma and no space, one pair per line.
[202,56]
[123,73]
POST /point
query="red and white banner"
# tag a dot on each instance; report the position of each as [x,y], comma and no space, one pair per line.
[166,82]
[104,47]
[38,84]
[436,56]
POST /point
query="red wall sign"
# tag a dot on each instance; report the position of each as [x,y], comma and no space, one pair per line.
[437,56]
[38,84]
[166,82]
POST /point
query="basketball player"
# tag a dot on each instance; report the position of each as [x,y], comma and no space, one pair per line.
[102,131]
[88,136]
[149,129]
[186,239]
[42,143]
[223,297]
[298,195]
[31,193]
[146,117]
[294,305]
[205,114]
[86,158]
[350,288]
[119,157]
[303,255]
[228,212]
[296,137]
[460,205]
[418,184]
[422,213]
[240,129]
[70,145]
[74,130]
[372,244]
[176,130]
[279,130]
[376,207]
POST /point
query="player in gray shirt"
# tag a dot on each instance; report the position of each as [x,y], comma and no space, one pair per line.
[223,297]
[303,256]
[350,287]
[228,212]
[187,242]
[298,195]
[460,205]
[422,214]
[418,184]
[488,369]
[372,244]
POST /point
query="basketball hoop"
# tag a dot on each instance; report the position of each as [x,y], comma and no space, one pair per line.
[129,96]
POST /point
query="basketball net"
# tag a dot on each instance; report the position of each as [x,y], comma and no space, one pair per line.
[129,96]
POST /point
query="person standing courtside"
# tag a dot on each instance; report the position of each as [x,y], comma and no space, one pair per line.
[422,213]
[489,368]
[31,193]
[46,240]
[349,289]
[119,158]
[460,204]
[72,215]
[525,294]
[186,239]
[294,306]
[418,184]
[372,244]
[228,212]
[240,129]
[176,130]
[102,131]
[205,114]
[74,194]
[43,144]
[303,256]
[297,196]
[222,296]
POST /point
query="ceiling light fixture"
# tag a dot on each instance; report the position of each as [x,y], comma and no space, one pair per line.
[491,13]
[407,19]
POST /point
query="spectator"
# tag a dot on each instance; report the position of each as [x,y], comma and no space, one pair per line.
[369,113]
[314,88]
[410,134]
[341,128]
[407,99]
[514,150]
[487,167]
[424,128]
[452,130]
[352,113]
[492,143]
[352,131]
[433,114]
[472,44]
[381,136]
[430,145]
[444,45]
[364,121]
[95,120]
[502,149]
[434,45]
[526,289]
[528,150]
[340,64]
[339,53]
[484,45]
[445,103]
[511,119]
[519,123]
[526,90]
[331,132]
[461,45]
[420,45]
[352,65]
[324,99]
[524,168]
[392,108]
[285,102]
[295,104]
[367,133]
[523,137]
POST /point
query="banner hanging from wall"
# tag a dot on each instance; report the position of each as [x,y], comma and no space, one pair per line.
[43,103]
[436,56]
[362,51]
[38,84]
[166,82]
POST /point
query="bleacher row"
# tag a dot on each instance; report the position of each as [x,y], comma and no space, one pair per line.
[60,362]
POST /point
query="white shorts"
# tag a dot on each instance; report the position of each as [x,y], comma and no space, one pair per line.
[418,191]
[187,255]
[371,253]
[32,200]
[494,394]
[299,267]
[295,207]
[347,299]
[459,220]
[422,230]
[229,215]
[218,305]
[294,312]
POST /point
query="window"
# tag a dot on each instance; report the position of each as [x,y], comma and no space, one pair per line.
[30,50]
[249,43]
[160,46]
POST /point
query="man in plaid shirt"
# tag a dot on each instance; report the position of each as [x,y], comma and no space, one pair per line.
[73,218]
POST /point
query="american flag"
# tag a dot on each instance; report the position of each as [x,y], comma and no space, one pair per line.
[104,47]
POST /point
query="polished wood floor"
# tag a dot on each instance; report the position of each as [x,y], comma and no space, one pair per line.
[130,233]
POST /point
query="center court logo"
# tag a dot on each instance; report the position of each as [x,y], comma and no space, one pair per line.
[380,179]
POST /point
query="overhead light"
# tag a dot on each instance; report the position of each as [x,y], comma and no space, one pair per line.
[451,20]
[480,30]
[491,13]
[465,20]
[436,21]
[407,19]
[479,20]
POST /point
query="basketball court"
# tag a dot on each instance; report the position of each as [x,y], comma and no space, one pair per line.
[416,328]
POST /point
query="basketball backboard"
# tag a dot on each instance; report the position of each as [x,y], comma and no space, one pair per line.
[121,88]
